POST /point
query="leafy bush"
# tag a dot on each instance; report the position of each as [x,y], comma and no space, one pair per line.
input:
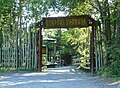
[112,69]
[114,50]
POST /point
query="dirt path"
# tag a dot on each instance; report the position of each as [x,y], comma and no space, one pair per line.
[64,77]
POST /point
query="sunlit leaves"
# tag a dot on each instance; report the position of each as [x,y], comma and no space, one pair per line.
[77,40]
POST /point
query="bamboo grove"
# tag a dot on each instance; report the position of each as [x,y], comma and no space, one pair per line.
[18,39]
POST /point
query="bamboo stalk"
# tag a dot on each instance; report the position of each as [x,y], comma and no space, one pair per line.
[101,50]
[35,63]
[28,49]
[24,50]
[1,57]
[8,57]
[12,57]
[98,52]
[4,57]
[33,50]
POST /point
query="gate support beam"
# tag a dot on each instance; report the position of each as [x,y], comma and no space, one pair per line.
[92,56]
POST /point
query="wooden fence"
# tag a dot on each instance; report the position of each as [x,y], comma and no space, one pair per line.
[20,58]
[83,62]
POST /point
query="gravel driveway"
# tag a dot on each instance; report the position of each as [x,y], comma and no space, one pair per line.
[64,77]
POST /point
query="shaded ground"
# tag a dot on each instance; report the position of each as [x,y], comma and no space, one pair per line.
[64,77]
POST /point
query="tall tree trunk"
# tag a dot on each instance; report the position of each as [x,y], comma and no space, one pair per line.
[20,32]
[105,18]
[107,30]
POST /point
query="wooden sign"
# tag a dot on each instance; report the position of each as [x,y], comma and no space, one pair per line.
[66,22]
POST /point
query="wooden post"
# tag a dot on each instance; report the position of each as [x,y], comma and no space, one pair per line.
[92,62]
[96,49]
[40,51]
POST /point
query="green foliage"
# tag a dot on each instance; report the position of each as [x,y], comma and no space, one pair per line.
[5,17]
[74,42]
[61,5]
[77,41]
[112,69]
[114,51]
[82,9]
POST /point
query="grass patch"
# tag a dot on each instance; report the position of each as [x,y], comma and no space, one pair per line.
[16,69]
[6,69]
